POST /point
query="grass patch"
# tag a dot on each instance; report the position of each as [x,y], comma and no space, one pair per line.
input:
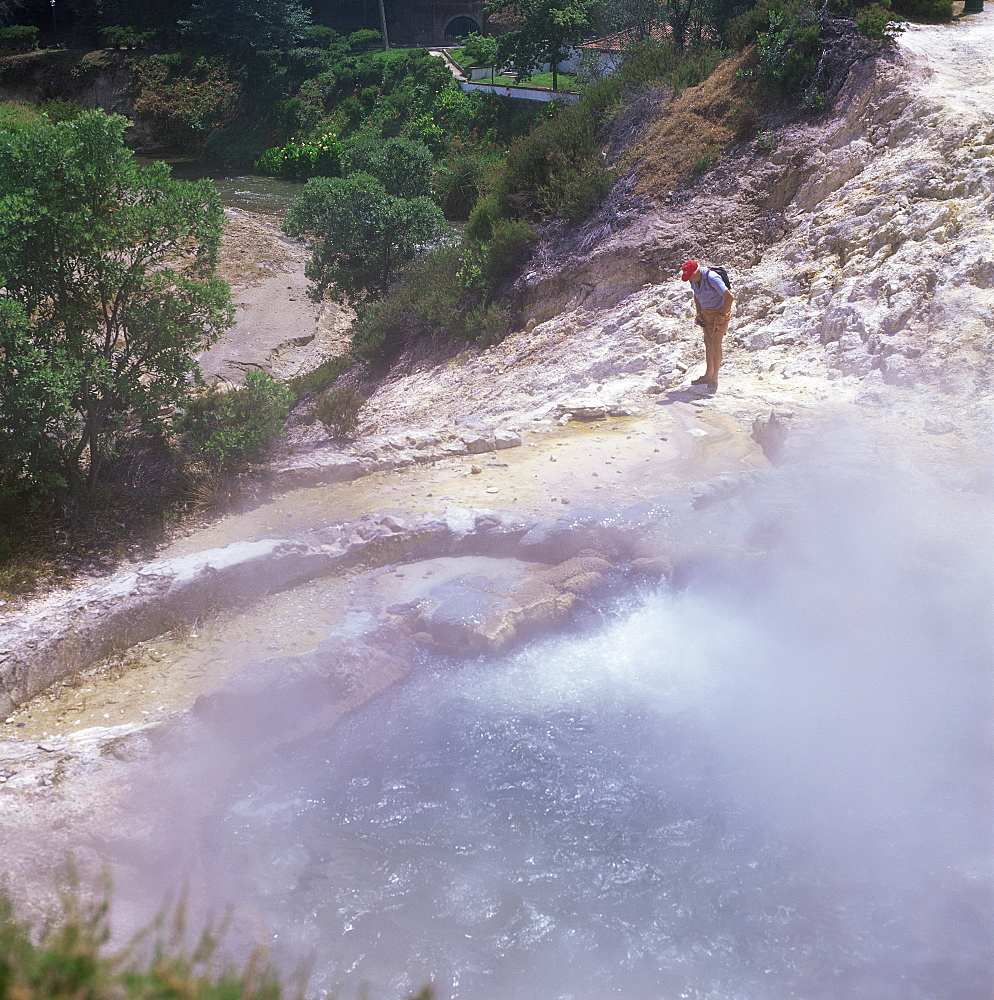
[17,114]
[697,127]
[20,572]
[542,81]
[317,380]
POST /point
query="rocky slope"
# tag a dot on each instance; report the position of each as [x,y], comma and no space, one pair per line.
[860,252]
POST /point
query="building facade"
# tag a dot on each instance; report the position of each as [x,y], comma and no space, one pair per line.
[442,22]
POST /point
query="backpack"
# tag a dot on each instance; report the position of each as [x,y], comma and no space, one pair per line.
[723,274]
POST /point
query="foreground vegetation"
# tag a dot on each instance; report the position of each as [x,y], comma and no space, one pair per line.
[68,958]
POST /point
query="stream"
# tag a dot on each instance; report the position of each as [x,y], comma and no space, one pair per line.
[270,196]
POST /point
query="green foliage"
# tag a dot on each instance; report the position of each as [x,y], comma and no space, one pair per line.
[186,97]
[109,287]
[479,50]
[321,377]
[403,166]
[119,36]
[926,10]
[463,176]
[788,52]
[362,235]
[877,22]
[746,28]
[318,36]
[508,248]
[556,170]
[300,160]
[455,112]
[548,30]
[366,38]
[231,427]
[67,958]
[381,323]
[444,294]
[338,409]
[240,26]
[61,109]
[16,115]
[18,38]
[655,62]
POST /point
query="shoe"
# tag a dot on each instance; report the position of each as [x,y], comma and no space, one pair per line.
[701,381]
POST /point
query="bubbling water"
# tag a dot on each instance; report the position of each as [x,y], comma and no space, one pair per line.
[771,783]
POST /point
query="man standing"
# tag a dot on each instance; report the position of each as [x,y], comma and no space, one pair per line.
[713,302]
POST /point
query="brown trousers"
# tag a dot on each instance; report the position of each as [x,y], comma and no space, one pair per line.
[715,327]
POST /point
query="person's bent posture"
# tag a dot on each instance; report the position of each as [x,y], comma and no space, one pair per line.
[713,302]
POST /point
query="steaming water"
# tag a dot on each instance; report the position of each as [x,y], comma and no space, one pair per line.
[773,783]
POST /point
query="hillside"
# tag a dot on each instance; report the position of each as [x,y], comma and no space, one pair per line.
[859,249]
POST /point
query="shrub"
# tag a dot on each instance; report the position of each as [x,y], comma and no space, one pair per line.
[366,38]
[231,427]
[66,959]
[488,323]
[479,50]
[321,377]
[926,10]
[318,36]
[321,157]
[454,112]
[445,294]
[463,176]
[556,170]
[789,51]
[508,248]
[747,27]
[484,218]
[877,22]
[18,38]
[652,61]
[403,166]
[381,323]
[118,36]
[17,115]
[338,409]
[61,109]
[188,97]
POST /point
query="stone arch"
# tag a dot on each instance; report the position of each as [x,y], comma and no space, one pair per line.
[461,25]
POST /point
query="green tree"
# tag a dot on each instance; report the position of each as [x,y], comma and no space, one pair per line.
[403,166]
[480,50]
[108,287]
[637,16]
[362,235]
[544,32]
[235,26]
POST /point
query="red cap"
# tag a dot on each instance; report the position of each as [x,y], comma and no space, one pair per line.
[689,270]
